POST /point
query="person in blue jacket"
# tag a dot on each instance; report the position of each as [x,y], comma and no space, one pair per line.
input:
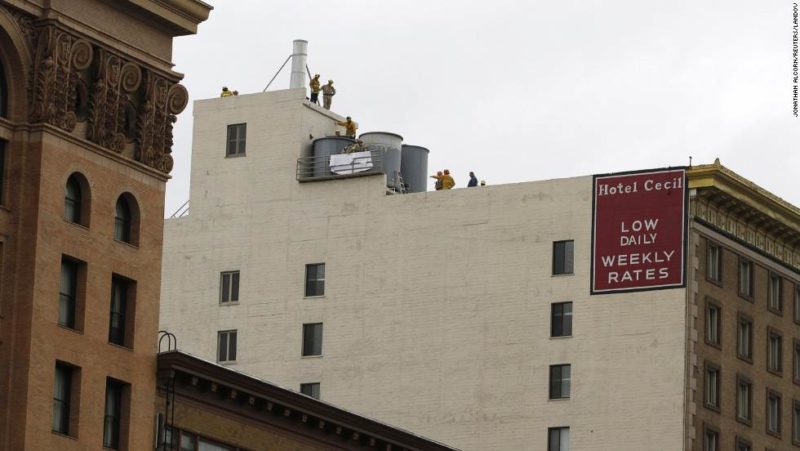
[473,181]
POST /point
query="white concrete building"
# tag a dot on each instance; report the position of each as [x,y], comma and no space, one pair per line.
[436,307]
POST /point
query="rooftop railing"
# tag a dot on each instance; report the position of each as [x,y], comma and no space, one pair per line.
[310,169]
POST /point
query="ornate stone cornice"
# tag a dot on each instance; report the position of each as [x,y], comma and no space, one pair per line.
[129,108]
[746,212]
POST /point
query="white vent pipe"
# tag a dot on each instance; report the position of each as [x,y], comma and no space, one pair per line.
[299,61]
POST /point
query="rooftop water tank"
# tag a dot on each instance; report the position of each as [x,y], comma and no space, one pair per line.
[414,168]
[323,149]
[386,146]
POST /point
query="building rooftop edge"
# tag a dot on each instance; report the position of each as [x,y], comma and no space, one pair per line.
[717,176]
[183,16]
[182,361]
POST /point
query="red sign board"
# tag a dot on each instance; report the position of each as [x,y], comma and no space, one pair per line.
[639,231]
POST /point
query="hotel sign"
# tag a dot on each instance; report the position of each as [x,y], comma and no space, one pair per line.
[639,231]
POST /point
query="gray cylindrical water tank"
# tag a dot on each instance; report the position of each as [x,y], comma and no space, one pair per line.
[414,168]
[388,146]
[323,149]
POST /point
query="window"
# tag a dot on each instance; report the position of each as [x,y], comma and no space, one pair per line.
[114,411]
[563,257]
[775,296]
[774,351]
[62,399]
[561,319]
[229,287]
[315,279]
[744,400]
[796,422]
[711,387]
[714,263]
[312,339]
[796,372]
[745,278]
[773,413]
[310,389]
[560,379]
[68,293]
[237,136]
[558,439]
[226,346]
[743,445]
[121,321]
[797,303]
[189,441]
[713,318]
[710,440]
[744,338]
[122,221]
[73,200]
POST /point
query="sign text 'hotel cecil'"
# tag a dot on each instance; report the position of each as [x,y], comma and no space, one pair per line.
[638,231]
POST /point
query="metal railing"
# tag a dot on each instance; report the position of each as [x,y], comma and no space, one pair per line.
[319,168]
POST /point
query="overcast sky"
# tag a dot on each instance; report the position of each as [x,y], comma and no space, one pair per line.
[521,90]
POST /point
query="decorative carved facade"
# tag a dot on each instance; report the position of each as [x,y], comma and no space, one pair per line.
[128,108]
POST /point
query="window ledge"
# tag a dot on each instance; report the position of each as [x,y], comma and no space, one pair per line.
[748,423]
[561,337]
[747,298]
[745,359]
[77,224]
[717,346]
[121,346]
[778,373]
[774,434]
[235,155]
[60,434]
[711,407]
[311,356]
[228,304]
[775,311]
[558,399]
[75,331]
[227,362]
[130,245]
[566,274]
[316,296]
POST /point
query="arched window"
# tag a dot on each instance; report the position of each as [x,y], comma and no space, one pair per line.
[126,220]
[73,200]
[77,199]
[122,221]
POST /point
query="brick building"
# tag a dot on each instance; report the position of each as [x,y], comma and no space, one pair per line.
[474,316]
[88,99]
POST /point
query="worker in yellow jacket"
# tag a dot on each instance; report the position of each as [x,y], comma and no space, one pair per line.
[350,127]
[314,84]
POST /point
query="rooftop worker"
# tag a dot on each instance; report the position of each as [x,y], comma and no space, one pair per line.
[350,127]
[225,92]
[357,146]
[447,180]
[236,93]
[314,84]
[473,181]
[483,182]
[439,177]
[328,91]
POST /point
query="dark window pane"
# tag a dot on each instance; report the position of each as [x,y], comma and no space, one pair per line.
[61,398]
[237,136]
[561,321]
[312,339]
[67,293]
[235,287]
[122,221]
[72,200]
[232,346]
[226,280]
[223,347]
[113,414]
[563,259]
[560,381]
[119,306]
[311,389]
[315,279]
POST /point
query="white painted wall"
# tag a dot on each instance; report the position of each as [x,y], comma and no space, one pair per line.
[437,305]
